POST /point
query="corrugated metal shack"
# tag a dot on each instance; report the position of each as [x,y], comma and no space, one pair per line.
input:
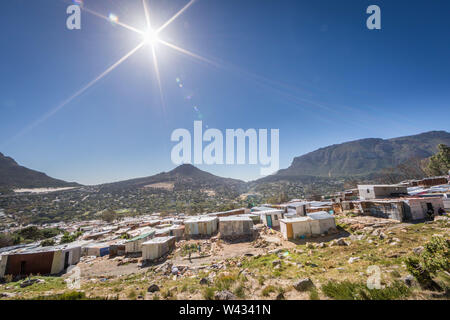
[134,245]
[201,226]
[322,222]
[235,227]
[157,247]
[39,260]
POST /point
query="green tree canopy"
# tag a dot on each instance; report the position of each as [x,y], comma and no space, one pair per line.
[439,163]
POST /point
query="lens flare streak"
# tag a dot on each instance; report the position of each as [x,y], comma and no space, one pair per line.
[78,93]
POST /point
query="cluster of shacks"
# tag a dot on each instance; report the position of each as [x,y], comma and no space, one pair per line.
[154,237]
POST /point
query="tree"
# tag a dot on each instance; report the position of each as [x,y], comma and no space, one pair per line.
[435,258]
[108,215]
[439,163]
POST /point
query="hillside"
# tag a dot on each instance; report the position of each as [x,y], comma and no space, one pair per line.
[363,157]
[182,178]
[12,175]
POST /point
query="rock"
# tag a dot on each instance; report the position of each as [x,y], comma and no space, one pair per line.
[275,251]
[357,237]
[7,295]
[341,242]
[418,250]
[303,284]
[280,296]
[353,259]
[29,282]
[153,288]
[409,280]
[204,281]
[276,263]
[382,235]
[224,295]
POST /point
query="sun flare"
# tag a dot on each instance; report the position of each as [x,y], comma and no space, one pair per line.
[151,37]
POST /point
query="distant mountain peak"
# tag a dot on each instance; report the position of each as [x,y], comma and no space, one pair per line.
[12,175]
[186,169]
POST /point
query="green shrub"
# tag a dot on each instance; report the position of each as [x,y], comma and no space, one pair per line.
[240,291]
[267,290]
[47,243]
[72,295]
[224,282]
[347,290]
[67,237]
[313,294]
[208,293]
[434,258]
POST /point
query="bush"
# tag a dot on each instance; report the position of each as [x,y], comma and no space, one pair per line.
[73,295]
[434,258]
[47,243]
[267,290]
[208,293]
[313,294]
[224,282]
[347,290]
[240,291]
[67,237]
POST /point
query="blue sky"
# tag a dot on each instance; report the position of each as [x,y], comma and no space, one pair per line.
[309,68]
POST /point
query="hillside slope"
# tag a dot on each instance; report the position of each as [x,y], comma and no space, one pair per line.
[365,156]
[12,175]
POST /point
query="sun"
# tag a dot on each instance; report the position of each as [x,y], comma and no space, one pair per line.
[150,37]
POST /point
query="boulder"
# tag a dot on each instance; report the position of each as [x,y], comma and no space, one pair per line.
[29,282]
[303,284]
[276,263]
[409,280]
[224,295]
[341,242]
[153,288]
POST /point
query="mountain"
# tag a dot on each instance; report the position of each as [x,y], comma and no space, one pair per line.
[12,175]
[183,177]
[362,157]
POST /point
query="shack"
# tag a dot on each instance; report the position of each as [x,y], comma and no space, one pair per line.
[418,208]
[134,245]
[157,247]
[235,227]
[322,222]
[117,248]
[98,249]
[294,228]
[201,226]
[39,260]
[370,192]
[271,218]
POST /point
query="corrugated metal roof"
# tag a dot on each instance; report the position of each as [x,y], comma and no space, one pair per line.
[158,240]
[320,215]
[142,236]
